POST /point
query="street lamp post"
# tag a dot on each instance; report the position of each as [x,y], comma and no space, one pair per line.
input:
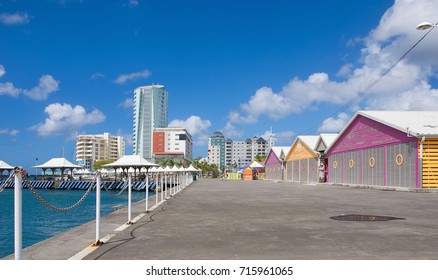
[423,26]
[36,170]
[426,25]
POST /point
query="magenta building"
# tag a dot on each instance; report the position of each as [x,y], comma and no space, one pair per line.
[275,163]
[386,148]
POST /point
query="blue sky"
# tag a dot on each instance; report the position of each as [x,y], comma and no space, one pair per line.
[70,67]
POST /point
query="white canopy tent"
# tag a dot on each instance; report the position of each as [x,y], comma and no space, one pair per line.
[131,161]
[4,166]
[58,163]
[191,168]
[174,169]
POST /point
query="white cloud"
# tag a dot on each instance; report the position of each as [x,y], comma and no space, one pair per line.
[133,76]
[129,141]
[280,138]
[345,70]
[46,85]
[10,132]
[133,3]
[97,75]
[334,124]
[127,103]
[65,119]
[14,19]
[406,87]
[9,89]
[231,131]
[197,127]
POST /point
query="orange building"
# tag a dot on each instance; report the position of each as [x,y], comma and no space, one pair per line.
[302,160]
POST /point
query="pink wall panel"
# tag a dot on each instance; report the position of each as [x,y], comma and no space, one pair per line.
[272,158]
[366,133]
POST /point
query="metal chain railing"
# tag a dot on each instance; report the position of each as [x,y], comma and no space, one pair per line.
[6,183]
[48,205]
[115,195]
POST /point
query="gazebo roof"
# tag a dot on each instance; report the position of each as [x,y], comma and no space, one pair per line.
[153,169]
[167,169]
[256,164]
[175,169]
[58,163]
[191,168]
[131,161]
[5,166]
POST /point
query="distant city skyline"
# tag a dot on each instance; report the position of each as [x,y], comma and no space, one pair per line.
[70,67]
[151,111]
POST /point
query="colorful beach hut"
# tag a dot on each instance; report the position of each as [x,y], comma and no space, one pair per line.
[274,163]
[248,174]
[253,171]
[302,160]
[387,148]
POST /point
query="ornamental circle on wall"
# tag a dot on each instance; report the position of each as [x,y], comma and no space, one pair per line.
[351,163]
[399,159]
[335,164]
[372,162]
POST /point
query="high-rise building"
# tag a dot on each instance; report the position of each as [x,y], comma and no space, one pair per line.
[173,143]
[228,152]
[256,146]
[92,148]
[150,112]
[216,149]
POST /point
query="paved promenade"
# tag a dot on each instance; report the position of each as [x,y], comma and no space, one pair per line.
[214,219]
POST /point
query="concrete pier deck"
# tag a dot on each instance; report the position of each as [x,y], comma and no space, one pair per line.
[225,220]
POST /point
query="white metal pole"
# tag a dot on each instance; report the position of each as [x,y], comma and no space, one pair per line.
[156,189]
[98,184]
[18,214]
[147,192]
[161,188]
[165,181]
[129,196]
[171,190]
[177,182]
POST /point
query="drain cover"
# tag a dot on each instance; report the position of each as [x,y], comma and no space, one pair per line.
[364,218]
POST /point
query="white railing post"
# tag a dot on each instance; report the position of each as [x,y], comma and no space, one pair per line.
[161,188]
[177,182]
[18,214]
[171,184]
[156,189]
[147,192]
[129,197]
[165,181]
[98,184]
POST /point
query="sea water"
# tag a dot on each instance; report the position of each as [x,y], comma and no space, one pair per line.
[40,222]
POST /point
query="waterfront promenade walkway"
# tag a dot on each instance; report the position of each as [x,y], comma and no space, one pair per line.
[225,220]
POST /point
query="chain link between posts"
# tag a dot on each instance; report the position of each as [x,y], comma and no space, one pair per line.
[6,183]
[47,204]
[115,195]
[60,209]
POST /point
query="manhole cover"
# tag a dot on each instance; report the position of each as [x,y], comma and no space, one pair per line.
[364,218]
